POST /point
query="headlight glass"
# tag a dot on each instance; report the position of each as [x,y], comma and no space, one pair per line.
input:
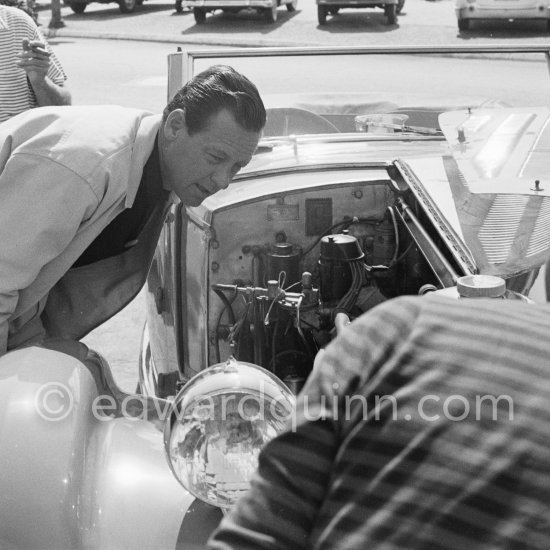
[218,424]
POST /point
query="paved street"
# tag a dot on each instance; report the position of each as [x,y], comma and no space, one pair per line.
[421,22]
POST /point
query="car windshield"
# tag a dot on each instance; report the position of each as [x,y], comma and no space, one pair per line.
[385,92]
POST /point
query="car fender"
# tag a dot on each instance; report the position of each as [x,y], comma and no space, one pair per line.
[70,479]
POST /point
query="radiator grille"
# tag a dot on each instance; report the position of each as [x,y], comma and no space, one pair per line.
[540,239]
[499,229]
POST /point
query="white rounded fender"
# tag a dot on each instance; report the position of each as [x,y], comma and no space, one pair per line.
[71,477]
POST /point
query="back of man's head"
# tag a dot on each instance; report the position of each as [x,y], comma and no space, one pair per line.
[219,87]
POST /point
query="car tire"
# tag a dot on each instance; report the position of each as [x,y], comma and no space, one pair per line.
[400,4]
[127,6]
[463,24]
[78,7]
[200,16]
[291,6]
[391,14]
[271,13]
[322,14]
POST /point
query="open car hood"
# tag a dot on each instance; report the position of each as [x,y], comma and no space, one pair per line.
[492,189]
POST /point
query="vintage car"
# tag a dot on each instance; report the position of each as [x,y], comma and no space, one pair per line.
[391,8]
[468,11]
[266,7]
[406,172]
[125,6]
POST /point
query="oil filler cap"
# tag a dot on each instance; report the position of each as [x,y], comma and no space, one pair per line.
[481,286]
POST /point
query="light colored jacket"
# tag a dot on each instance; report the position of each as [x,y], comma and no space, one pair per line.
[65,173]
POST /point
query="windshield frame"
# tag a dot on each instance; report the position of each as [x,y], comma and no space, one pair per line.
[181,65]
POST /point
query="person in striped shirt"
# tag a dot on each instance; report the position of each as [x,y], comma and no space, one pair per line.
[424,425]
[30,74]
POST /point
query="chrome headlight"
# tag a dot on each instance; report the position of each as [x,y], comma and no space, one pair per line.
[218,424]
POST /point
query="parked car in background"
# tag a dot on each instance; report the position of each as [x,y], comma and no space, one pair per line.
[391,8]
[406,170]
[504,10]
[268,8]
[125,6]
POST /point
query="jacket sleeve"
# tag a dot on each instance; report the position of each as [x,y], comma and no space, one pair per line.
[42,205]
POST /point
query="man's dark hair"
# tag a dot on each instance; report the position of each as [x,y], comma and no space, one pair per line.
[219,87]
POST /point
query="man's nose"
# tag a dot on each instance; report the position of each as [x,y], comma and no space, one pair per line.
[222,178]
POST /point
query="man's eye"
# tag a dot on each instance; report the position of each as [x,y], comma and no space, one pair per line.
[216,159]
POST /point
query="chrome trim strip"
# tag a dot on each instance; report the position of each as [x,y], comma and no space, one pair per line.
[460,253]
[362,50]
[313,168]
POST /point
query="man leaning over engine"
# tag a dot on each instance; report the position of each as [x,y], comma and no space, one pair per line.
[84,190]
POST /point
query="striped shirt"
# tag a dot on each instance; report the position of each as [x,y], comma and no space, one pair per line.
[425,425]
[16,94]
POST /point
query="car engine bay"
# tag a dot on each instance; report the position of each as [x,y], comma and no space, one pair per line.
[282,265]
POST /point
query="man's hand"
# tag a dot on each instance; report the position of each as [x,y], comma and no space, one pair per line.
[34,59]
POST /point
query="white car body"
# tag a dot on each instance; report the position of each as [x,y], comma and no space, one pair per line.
[468,10]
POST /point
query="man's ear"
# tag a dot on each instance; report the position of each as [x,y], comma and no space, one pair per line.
[175,122]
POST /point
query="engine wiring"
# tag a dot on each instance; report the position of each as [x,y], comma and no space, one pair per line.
[347,302]
[268,304]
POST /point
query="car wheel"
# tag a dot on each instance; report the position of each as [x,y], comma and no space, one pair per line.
[334,11]
[127,6]
[291,6]
[200,16]
[400,4]
[463,24]
[322,14]
[271,13]
[391,14]
[78,7]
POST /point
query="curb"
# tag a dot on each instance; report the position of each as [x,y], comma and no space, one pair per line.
[67,33]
